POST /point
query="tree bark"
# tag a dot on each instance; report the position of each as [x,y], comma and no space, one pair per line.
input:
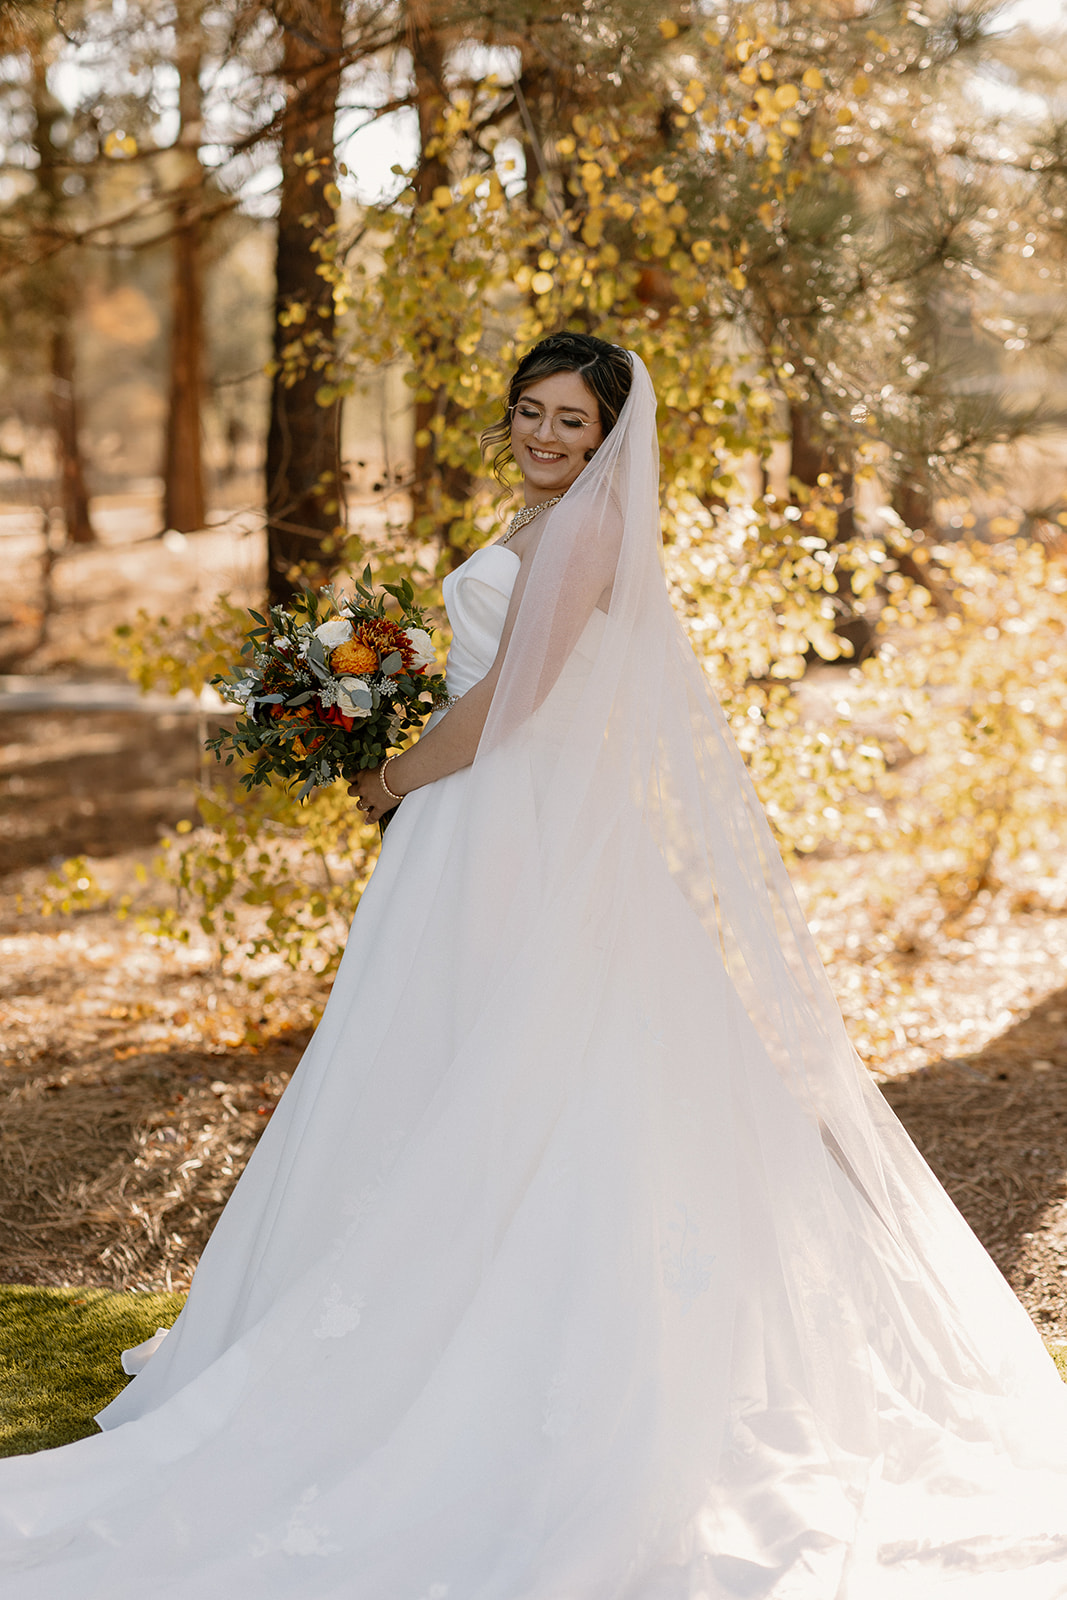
[440,489]
[812,455]
[184,504]
[913,503]
[303,438]
[58,300]
[73,493]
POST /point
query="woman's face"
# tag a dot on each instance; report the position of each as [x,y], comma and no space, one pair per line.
[556,421]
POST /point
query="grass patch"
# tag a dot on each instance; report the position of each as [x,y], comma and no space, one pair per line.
[60,1353]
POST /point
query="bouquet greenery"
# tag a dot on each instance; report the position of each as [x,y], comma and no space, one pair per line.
[330,685]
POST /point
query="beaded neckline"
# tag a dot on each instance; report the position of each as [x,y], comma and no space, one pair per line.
[526,514]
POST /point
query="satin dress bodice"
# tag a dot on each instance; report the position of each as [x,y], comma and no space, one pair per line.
[477,596]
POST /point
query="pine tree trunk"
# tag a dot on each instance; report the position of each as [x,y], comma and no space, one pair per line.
[73,493]
[303,438]
[184,504]
[440,489]
[813,455]
[55,287]
[913,503]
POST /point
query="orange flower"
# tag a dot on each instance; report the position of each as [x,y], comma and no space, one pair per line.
[292,713]
[385,637]
[354,656]
[303,749]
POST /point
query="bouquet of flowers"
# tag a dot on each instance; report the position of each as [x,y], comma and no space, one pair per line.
[329,685]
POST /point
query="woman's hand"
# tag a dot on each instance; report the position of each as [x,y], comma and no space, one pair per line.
[366,789]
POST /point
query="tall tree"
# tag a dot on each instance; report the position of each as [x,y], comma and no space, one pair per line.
[303,439]
[184,505]
[57,293]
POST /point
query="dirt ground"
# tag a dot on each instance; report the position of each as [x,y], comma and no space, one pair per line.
[135,1078]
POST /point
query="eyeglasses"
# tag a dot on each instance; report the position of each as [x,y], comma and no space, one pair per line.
[526,417]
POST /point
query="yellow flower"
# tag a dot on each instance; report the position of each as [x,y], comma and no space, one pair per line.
[353,658]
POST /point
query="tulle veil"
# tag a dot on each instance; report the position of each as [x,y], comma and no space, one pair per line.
[644,763]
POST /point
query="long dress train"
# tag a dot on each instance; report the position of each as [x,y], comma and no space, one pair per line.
[546,1282]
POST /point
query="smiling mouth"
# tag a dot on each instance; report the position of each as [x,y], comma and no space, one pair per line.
[545,455]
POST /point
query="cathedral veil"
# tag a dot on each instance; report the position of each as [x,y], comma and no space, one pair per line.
[645,765]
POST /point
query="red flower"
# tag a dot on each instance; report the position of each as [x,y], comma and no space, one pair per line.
[337,717]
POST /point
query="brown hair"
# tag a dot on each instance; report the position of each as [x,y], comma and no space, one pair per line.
[604,367]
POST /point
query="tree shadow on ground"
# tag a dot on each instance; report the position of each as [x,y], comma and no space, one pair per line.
[96,784]
[993,1127]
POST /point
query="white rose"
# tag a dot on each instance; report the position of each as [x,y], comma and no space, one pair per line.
[346,689]
[331,634]
[422,645]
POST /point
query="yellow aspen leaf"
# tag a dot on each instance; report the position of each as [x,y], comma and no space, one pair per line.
[745,47]
[767,213]
[609,255]
[763,97]
[667,192]
[696,91]
[812,79]
[442,197]
[332,195]
[860,83]
[566,147]
[676,215]
[819,147]
[592,230]
[541,282]
[766,72]
[845,115]
[547,260]
[736,278]
[120,144]
[668,28]
[790,126]
[786,95]
[580,125]
[688,104]
[748,75]
[700,250]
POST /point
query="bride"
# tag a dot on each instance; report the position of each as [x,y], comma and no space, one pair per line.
[581,1260]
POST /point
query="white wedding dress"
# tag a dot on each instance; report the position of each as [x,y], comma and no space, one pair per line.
[545,1283]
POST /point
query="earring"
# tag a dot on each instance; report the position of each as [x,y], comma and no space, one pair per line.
[589,454]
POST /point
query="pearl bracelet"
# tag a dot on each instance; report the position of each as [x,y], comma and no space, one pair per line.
[382,779]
